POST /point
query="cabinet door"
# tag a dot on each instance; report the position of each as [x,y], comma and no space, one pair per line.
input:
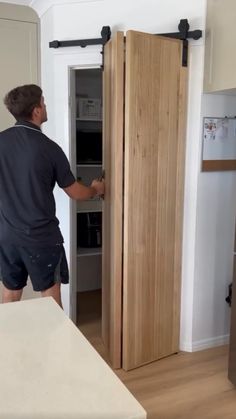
[113,103]
[220,60]
[19,60]
[155,108]
[19,65]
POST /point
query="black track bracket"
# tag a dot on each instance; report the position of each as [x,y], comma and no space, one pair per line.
[184,35]
[105,36]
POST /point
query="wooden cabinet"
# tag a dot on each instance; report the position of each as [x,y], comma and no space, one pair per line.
[19,53]
[220,58]
[144,104]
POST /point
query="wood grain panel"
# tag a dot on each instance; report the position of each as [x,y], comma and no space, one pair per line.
[218,165]
[179,205]
[113,104]
[153,185]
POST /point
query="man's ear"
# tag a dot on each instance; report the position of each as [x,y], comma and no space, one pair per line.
[35,112]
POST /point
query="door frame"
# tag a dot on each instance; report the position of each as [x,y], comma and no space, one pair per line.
[113,141]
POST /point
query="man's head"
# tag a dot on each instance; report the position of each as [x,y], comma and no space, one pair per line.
[27,103]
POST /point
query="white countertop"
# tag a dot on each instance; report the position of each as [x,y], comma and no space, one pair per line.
[48,370]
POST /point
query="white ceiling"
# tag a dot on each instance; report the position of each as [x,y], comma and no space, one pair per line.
[41,6]
[23,2]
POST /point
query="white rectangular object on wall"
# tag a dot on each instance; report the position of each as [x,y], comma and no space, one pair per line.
[90,109]
[219,144]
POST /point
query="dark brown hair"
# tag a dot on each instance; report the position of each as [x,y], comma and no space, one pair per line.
[22,100]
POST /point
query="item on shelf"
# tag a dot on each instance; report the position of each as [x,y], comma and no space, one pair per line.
[88,147]
[89,108]
[229,296]
[89,229]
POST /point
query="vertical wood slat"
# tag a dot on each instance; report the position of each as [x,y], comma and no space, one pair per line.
[180,179]
[113,105]
[153,197]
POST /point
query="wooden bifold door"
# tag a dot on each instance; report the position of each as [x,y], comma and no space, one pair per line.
[144,103]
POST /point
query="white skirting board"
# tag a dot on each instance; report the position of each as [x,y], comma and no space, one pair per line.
[200,345]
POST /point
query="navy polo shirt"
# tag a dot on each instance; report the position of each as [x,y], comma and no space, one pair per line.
[30,165]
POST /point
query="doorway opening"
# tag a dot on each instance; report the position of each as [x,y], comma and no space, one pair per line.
[86,123]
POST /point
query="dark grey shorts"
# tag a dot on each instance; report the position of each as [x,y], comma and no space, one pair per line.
[45,266]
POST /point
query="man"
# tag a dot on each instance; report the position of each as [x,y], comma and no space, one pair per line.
[31,243]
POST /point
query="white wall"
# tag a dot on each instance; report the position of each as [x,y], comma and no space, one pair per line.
[207,245]
[193,151]
[216,210]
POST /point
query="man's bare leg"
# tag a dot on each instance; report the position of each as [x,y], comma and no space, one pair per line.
[9,296]
[55,292]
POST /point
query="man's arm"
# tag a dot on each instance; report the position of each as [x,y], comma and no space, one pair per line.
[81,192]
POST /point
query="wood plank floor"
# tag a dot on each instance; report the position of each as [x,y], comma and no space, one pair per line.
[183,386]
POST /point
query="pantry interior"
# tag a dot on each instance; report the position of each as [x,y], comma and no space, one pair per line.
[87,215]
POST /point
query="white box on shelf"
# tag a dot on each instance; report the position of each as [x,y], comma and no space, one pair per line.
[89,108]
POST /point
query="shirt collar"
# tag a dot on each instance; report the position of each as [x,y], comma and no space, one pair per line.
[28,124]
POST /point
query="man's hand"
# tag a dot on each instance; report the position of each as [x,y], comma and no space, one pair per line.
[99,186]
[81,192]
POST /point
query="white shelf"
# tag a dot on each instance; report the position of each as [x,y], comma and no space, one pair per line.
[90,206]
[96,199]
[89,251]
[88,211]
[89,119]
[89,165]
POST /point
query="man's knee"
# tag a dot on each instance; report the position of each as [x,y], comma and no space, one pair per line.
[55,292]
[10,296]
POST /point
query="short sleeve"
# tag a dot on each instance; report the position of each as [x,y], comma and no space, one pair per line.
[63,175]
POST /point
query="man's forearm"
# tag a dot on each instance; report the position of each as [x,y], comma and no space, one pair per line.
[80,192]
